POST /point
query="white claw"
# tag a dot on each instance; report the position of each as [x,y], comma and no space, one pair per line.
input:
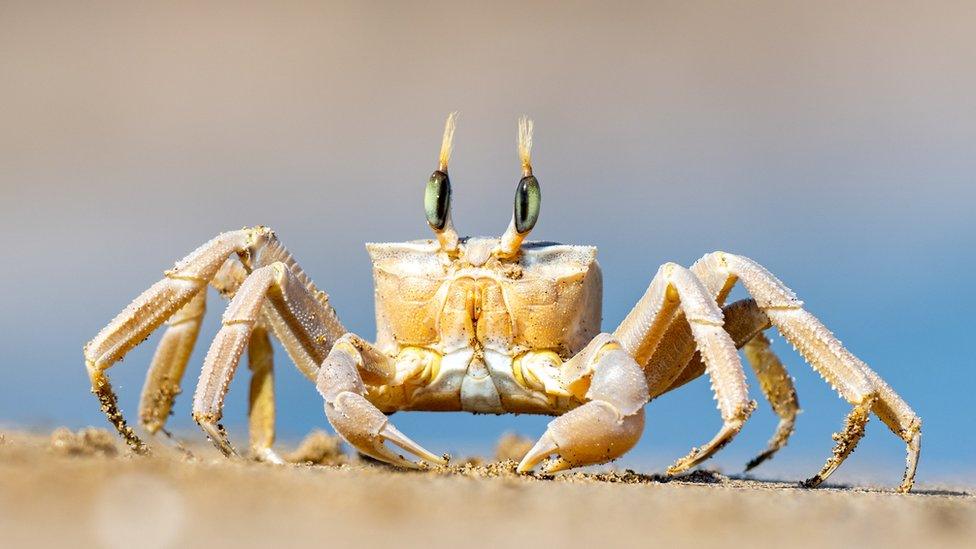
[591,434]
[542,449]
[557,465]
[392,434]
[366,429]
[384,454]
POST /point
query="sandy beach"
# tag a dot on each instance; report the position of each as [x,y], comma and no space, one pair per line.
[73,490]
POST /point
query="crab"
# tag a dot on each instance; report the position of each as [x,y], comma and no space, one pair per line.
[487,325]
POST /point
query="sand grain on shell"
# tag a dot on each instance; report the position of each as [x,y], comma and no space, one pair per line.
[57,493]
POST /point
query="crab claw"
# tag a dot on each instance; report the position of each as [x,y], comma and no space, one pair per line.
[366,428]
[357,420]
[604,428]
[593,433]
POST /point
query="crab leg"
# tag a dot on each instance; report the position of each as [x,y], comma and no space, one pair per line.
[342,380]
[141,317]
[641,331]
[261,409]
[778,387]
[261,403]
[744,321]
[850,377]
[208,263]
[302,324]
[169,362]
[165,375]
[163,381]
[610,422]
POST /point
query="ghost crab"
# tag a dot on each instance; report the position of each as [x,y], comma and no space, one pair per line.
[489,325]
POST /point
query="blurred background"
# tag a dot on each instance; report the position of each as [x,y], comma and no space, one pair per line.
[831,141]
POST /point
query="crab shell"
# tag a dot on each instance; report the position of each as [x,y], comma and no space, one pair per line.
[466,322]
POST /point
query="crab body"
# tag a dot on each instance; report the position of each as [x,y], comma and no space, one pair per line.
[462,327]
[487,325]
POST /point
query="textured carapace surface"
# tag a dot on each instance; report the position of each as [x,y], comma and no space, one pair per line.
[462,326]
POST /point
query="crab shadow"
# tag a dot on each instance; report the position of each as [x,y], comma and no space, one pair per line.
[744,481]
[698,477]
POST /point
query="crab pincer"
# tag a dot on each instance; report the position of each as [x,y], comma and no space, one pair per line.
[609,423]
[357,420]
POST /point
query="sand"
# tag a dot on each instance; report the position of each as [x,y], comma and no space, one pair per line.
[84,490]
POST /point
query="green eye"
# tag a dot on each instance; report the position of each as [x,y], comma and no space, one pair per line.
[437,200]
[528,200]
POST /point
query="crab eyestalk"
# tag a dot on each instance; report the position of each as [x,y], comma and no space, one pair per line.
[437,196]
[528,197]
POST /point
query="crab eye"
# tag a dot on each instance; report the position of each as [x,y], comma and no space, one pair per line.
[437,200]
[528,199]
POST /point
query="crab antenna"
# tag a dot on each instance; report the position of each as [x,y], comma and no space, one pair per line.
[447,143]
[525,144]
